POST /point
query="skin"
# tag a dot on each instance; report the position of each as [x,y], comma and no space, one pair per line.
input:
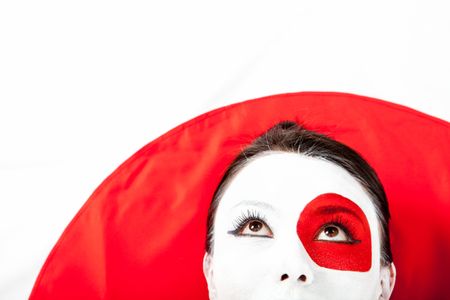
[267,259]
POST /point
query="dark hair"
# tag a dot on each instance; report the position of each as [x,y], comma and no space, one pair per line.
[288,136]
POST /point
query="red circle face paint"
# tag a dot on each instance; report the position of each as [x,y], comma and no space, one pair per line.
[354,254]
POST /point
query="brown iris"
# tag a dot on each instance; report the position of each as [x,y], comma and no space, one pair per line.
[255,226]
[331,231]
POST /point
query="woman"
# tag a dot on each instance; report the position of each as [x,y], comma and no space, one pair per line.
[298,215]
[141,234]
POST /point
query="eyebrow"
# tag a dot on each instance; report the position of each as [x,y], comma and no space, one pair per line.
[255,203]
[332,209]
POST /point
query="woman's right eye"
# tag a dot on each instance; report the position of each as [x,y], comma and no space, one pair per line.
[255,228]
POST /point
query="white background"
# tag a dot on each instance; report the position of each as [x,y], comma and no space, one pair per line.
[85,84]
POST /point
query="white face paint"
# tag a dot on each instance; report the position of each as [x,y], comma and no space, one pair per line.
[265,262]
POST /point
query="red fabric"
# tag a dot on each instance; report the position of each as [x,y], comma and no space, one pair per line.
[141,234]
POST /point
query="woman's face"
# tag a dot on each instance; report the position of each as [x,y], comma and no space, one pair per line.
[294,227]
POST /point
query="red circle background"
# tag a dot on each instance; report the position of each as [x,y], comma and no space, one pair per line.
[141,234]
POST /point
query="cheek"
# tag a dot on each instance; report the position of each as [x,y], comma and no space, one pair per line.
[347,285]
[335,255]
[241,267]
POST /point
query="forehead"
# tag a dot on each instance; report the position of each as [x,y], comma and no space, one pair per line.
[288,181]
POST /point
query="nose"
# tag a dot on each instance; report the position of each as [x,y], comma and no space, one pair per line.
[296,265]
[301,278]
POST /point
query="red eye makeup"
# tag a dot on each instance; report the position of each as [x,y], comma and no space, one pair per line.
[336,234]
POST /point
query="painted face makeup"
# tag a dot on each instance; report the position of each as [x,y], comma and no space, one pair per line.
[336,233]
[294,227]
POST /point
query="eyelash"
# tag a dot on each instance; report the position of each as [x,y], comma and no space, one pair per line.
[241,221]
[337,220]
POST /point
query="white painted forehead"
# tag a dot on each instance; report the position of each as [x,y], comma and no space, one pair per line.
[282,178]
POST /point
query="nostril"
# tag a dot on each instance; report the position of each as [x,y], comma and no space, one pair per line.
[302,278]
[284,277]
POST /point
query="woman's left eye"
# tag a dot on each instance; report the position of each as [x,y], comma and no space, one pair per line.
[333,233]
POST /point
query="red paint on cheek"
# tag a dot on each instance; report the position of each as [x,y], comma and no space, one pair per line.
[337,210]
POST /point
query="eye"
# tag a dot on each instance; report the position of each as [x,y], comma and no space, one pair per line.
[255,228]
[333,233]
[251,223]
